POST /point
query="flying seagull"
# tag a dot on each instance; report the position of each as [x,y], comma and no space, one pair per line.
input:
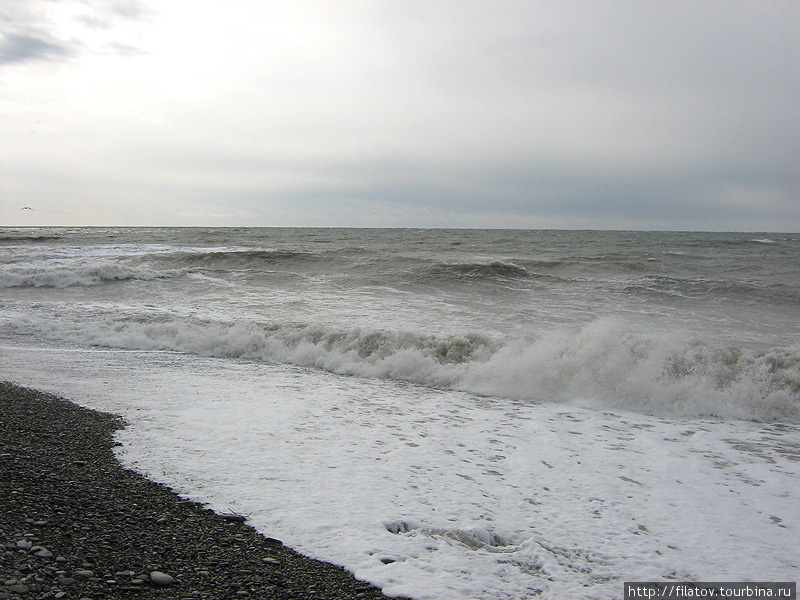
[26,208]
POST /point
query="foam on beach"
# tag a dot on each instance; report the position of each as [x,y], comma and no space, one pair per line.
[444,494]
[449,414]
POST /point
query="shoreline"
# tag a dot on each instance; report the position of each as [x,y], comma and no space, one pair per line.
[75,523]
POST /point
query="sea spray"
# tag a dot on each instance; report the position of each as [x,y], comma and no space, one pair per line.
[602,364]
[450,414]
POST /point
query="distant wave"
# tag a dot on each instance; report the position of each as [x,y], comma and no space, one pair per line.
[493,269]
[750,241]
[602,365]
[547,264]
[231,259]
[76,275]
[780,293]
[144,266]
[16,239]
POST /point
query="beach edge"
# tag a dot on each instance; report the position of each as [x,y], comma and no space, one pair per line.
[74,522]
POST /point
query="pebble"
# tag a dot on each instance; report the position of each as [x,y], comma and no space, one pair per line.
[83,574]
[124,573]
[233,517]
[18,588]
[160,578]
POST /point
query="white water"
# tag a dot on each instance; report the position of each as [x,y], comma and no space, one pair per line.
[603,364]
[451,415]
[444,494]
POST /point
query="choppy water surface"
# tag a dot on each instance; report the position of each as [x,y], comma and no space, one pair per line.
[451,414]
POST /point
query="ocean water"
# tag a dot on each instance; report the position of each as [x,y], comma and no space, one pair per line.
[449,414]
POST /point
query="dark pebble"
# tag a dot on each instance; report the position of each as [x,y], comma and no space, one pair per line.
[159,578]
[18,588]
[81,574]
[234,517]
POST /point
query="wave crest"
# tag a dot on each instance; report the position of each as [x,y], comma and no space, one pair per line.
[603,365]
[232,258]
[78,275]
[32,238]
[491,270]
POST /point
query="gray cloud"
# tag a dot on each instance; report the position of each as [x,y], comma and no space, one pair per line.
[31,33]
[130,9]
[618,114]
[104,15]
[21,48]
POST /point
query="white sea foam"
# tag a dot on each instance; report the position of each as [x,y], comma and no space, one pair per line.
[443,495]
[602,364]
[450,414]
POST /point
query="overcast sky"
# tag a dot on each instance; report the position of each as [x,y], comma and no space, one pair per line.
[657,114]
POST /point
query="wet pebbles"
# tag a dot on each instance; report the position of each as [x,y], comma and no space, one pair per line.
[75,525]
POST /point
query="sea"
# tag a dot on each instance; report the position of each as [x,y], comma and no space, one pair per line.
[448,414]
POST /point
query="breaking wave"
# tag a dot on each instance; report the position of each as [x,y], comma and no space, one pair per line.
[603,365]
[44,271]
[57,276]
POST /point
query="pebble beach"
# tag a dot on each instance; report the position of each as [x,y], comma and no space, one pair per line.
[446,414]
[75,524]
